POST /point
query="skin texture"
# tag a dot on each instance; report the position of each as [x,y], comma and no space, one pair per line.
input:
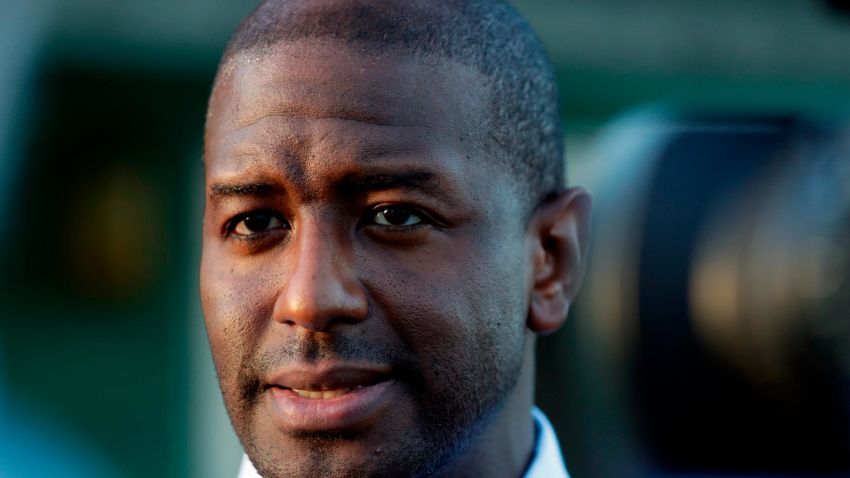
[351,222]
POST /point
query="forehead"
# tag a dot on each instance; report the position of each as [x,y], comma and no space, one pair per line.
[328,79]
[323,98]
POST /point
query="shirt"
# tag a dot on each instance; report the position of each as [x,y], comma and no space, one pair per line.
[546,461]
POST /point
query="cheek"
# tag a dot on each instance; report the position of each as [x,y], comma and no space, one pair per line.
[237,307]
[453,305]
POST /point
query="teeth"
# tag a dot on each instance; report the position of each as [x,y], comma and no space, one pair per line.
[321,394]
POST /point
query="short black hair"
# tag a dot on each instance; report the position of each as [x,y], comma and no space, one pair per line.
[523,123]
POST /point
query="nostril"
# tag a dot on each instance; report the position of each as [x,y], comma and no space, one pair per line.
[320,288]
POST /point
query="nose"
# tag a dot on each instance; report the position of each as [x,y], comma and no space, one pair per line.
[322,287]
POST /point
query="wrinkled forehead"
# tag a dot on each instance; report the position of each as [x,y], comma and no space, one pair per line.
[329,79]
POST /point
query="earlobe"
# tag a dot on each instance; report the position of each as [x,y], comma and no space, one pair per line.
[557,240]
[547,312]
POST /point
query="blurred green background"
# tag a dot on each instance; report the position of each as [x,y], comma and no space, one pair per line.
[101,115]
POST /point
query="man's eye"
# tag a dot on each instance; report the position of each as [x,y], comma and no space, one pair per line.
[256,223]
[397,216]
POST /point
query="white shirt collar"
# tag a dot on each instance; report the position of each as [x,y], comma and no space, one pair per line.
[546,463]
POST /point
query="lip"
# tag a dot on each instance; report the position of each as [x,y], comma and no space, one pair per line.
[369,395]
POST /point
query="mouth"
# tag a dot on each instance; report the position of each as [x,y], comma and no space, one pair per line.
[327,380]
[323,394]
[329,396]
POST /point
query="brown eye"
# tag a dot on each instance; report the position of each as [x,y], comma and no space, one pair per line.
[396,216]
[257,223]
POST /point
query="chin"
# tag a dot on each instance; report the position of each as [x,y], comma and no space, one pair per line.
[397,450]
[332,457]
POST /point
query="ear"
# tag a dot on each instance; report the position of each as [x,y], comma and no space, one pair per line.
[557,239]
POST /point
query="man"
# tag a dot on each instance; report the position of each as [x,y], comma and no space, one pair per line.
[387,229]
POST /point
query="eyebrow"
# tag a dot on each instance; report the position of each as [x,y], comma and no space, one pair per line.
[340,113]
[260,189]
[425,181]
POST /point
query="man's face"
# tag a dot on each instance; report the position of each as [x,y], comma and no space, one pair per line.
[363,276]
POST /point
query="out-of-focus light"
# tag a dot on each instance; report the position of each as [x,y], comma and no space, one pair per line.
[720,289]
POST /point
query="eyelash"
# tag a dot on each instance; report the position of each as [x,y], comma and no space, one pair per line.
[230,227]
[426,219]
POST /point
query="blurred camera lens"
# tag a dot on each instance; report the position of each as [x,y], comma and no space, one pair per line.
[720,289]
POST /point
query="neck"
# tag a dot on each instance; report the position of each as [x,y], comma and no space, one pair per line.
[504,448]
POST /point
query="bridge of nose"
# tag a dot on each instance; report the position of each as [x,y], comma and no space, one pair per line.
[322,285]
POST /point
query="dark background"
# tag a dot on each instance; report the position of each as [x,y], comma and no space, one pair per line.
[101,115]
